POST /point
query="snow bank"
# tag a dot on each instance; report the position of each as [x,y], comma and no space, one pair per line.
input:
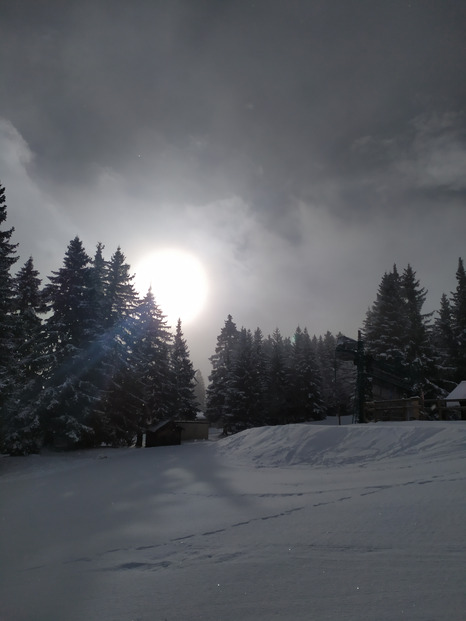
[202,531]
[323,445]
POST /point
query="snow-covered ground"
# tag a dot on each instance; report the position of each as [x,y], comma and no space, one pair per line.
[303,522]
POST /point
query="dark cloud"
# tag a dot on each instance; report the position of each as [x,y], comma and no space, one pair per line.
[284,89]
[301,145]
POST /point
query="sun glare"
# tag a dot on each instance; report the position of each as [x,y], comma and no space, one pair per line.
[178,281]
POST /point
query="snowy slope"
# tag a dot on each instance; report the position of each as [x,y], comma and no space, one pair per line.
[319,445]
[299,522]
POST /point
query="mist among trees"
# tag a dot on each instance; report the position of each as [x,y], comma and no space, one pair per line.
[84,360]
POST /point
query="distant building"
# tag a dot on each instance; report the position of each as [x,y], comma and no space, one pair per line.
[171,433]
[165,433]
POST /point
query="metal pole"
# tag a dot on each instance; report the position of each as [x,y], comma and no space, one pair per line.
[360,382]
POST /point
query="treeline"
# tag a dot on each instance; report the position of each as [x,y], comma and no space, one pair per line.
[84,360]
[274,380]
[278,380]
[427,349]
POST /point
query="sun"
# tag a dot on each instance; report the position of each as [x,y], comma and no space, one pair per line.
[178,280]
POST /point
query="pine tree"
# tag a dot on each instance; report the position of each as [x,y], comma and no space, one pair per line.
[245,398]
[141,386]
[100,343]
[70,397]
[237,399]
[153,344]
[443,341]
[259,378]
[98,283]
[458,310]
[121,297]
[325,350]
[7,323]
[115,302]
[222,368]
[23,433]
[304,380]
[418,354]
[186,405]
[386,323]
[277,356]
[397,333]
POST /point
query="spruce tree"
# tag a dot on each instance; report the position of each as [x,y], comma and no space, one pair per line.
[245,398]
[23,432]
[259,378]
[397,333]
[70,397]
[186,405]
[217,402]
[120,295]
[443,341]
[277,393]
[141,386]
[117,300]
[418,354]
[7,323]
[386,323]
[458,309]
[153,343]
[98,284]
[304,380]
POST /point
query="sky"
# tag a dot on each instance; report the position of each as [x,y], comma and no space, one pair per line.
[297,149]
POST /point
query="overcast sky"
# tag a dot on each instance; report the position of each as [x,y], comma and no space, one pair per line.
[297,148]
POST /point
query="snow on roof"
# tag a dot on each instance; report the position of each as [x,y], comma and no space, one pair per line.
[459,392]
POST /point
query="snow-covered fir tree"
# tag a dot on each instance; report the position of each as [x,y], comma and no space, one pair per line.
[7,321]
[185,405]
[222,361]
[277,353]
[386,323]
[24,433]
[153,343]
[396,331]
[443,342]
[70,396]
[418,352]
[98,285]
[141,386]
[458,311]
[115,301]
[120,295]
[325,352]
[245,399]
[304,380]
[259,378]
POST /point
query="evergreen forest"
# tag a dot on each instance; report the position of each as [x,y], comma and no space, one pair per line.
[85,360]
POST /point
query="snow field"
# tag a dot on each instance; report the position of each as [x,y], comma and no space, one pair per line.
[297,522]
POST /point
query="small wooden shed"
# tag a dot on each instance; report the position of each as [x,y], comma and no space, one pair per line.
[165,433]
[194,429]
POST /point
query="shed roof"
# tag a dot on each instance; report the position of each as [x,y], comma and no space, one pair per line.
[459,392]
[161,424]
